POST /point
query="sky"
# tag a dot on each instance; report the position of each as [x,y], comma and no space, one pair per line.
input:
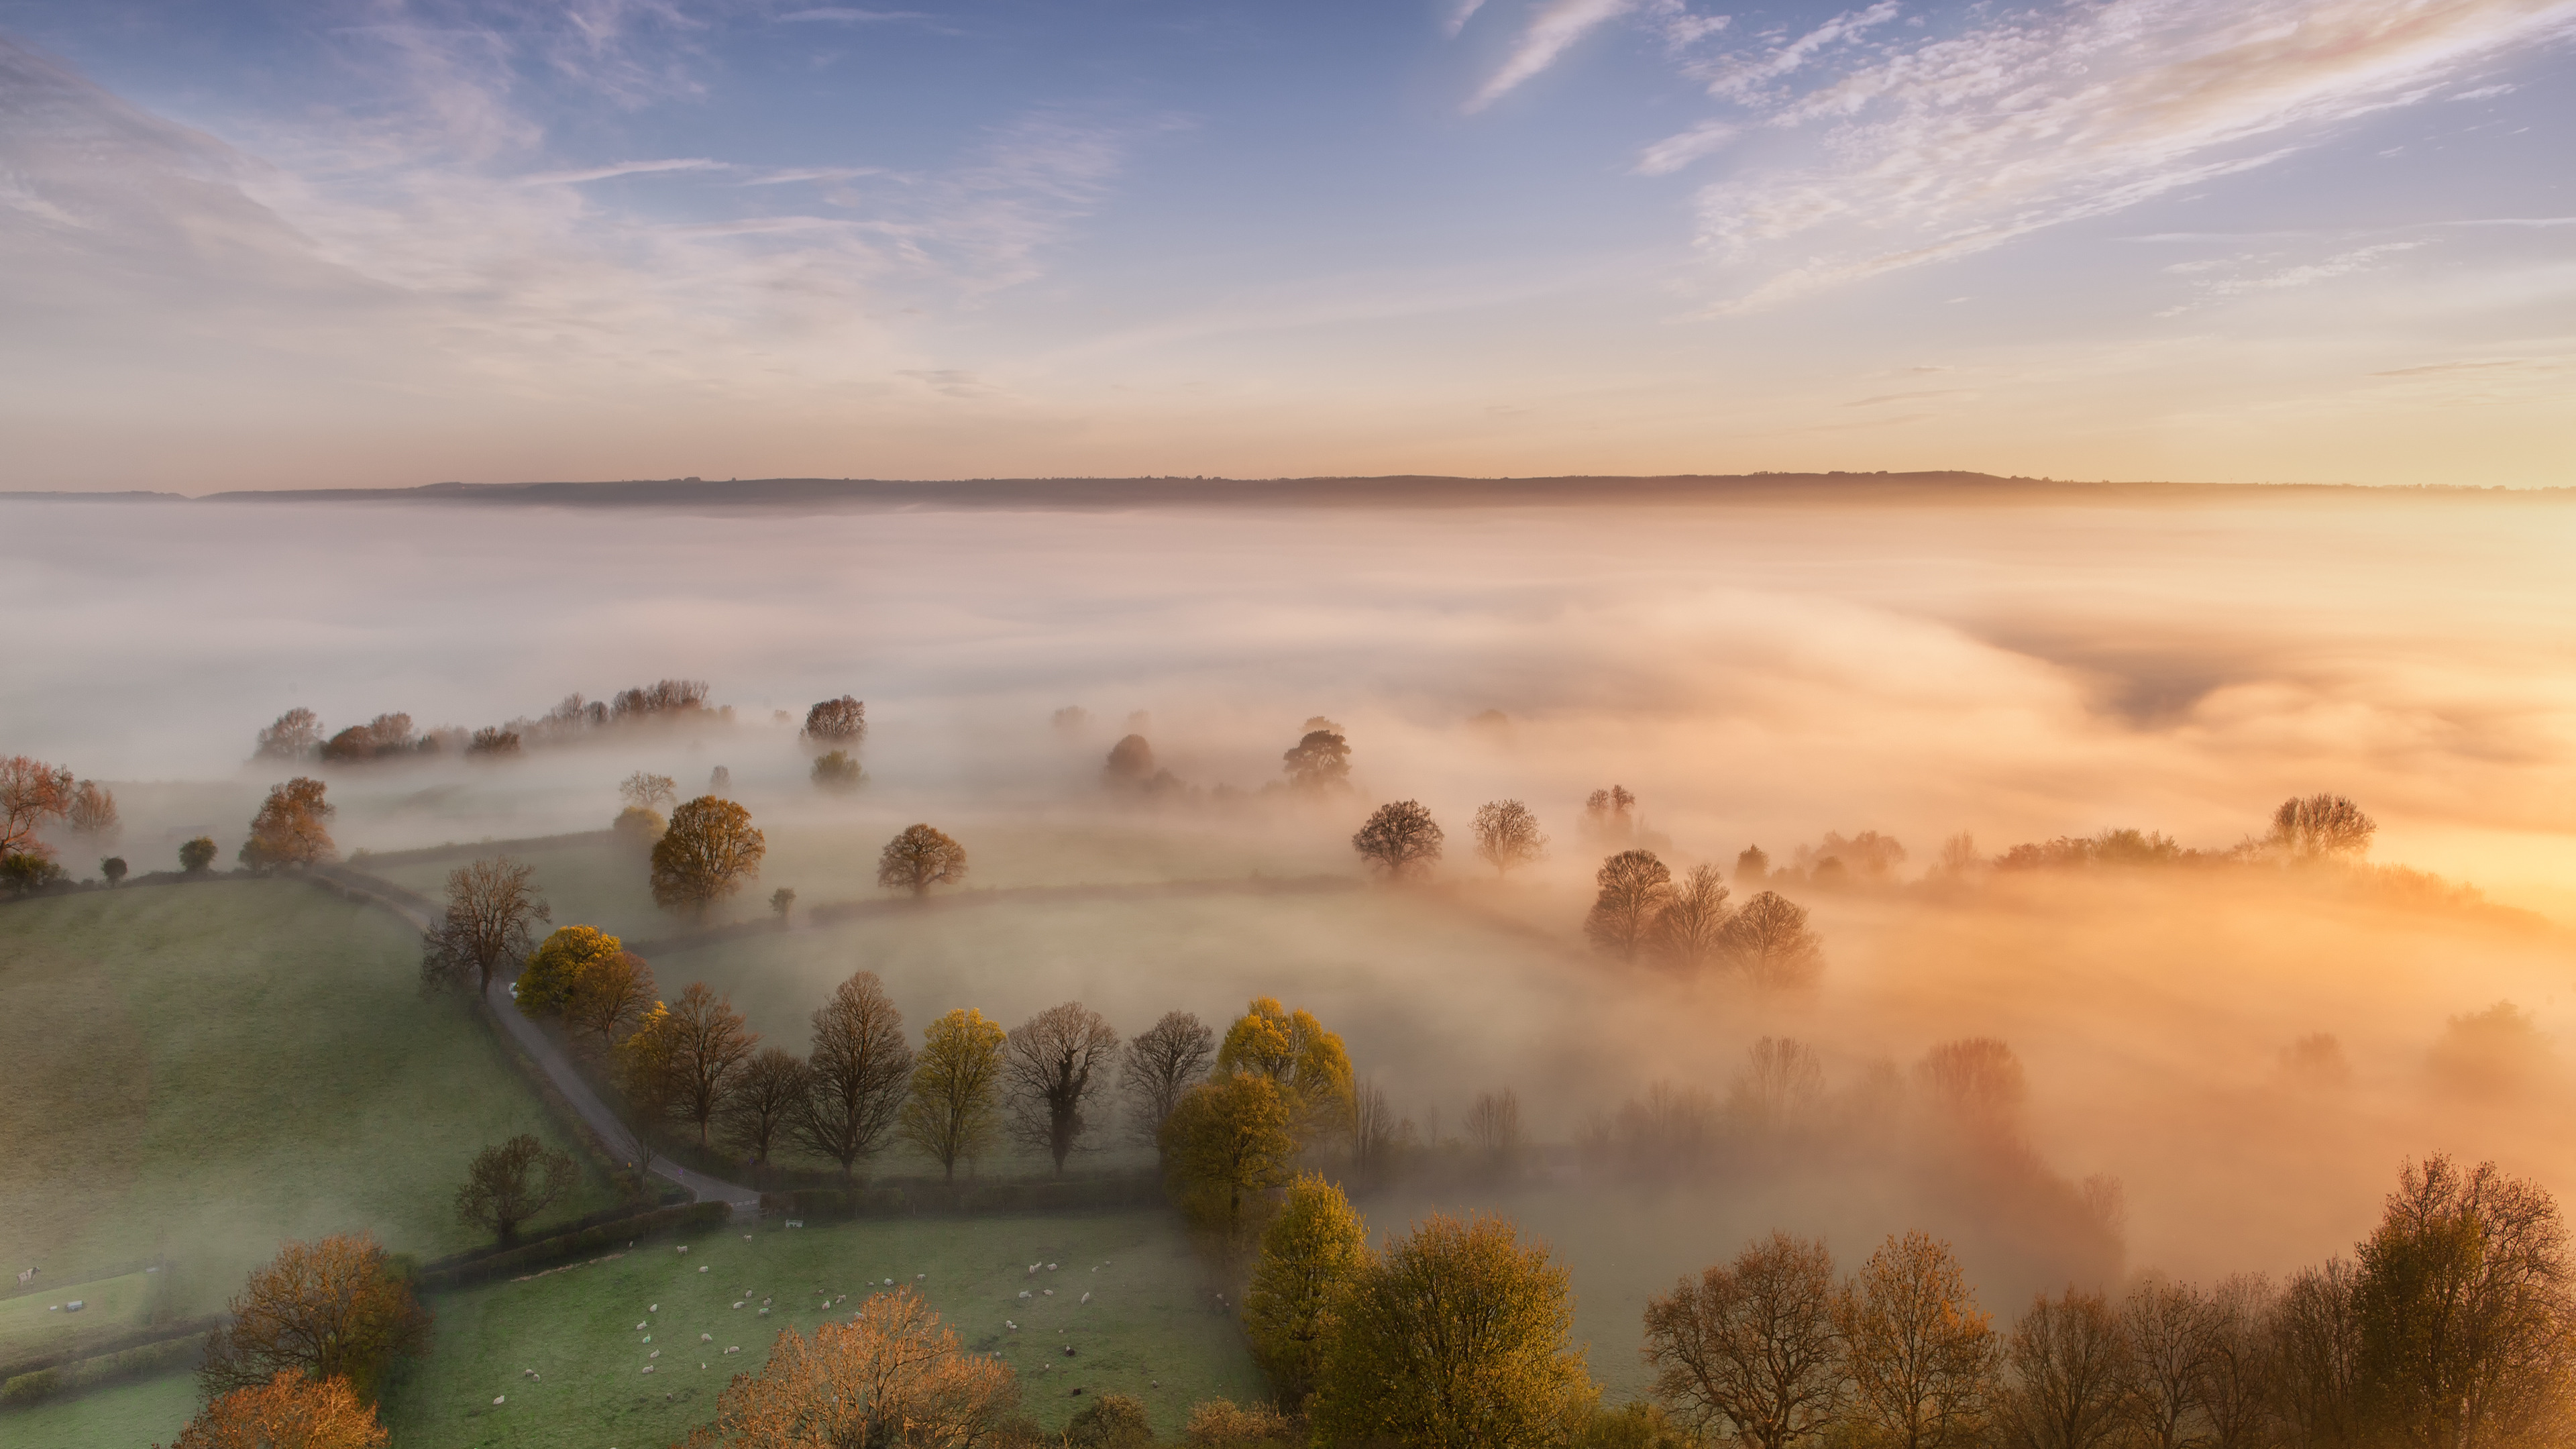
[385,244]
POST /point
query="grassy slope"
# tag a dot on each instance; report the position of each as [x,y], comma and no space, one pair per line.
[202,1070]
[122,1416]
[1149,1320]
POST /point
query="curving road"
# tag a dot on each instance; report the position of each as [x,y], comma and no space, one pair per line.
[550,1059]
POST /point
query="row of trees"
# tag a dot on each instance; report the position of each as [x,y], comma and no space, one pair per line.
[1046,1085]
[299,733]
[2452,1326]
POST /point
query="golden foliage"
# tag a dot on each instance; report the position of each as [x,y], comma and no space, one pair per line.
[954,1110]
[331,1309]
[1225,1144]
[289,1411]
[1456,1338]
[892,1375]
[706,855]
[288,828]
[1311,1253]
[1308,1064]
[546,983]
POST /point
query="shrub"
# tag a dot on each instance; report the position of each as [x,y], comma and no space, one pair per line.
[25,873]
[1112,1421]
[31,1388]
[197,854]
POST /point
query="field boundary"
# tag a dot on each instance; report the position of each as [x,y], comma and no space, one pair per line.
[458,849]
[108,1347]
[834,912]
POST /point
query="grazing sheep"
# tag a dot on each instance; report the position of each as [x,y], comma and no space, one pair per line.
[1086,1297]
[737,1348]
[702,1267]
[1024,1293]
[706,1338]
[1013,1327]
[500,1398]
[639,1328]
[684,1250]
[648,1368]
[1048,1292]
[657,1353]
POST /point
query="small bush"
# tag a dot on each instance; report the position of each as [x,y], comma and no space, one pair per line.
[1112,1421]
[1218,1424]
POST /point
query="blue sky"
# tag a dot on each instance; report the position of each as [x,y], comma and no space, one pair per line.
[391,243]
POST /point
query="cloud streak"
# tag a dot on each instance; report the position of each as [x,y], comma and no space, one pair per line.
[1551,32]
[1920,151]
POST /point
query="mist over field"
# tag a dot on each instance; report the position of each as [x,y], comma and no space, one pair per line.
[1754,674]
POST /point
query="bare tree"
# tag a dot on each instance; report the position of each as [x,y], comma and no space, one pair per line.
[509,1184]
[2316,1347]
[766,1097]
[1976,1079]
[489,924]
[2169,1329]
[93,811]
[857,1075]
[2239,1376]
[1634,886]
[1921,1357]
[836,724]
[1053,1068]
[782,901]
[1780,1085]
[1373,1130]
[296,735]
[1749,1350]
[919,858]
[643,791]
[1400,840]
[1494,1124]
[709,1044]
[1768,938]
[1609,816]
[1690,929]
[1163,1062]
[2321,827]
[2070,1364]
[1507,835]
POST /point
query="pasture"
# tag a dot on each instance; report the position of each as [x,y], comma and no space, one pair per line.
[592,1331]
[200,1070]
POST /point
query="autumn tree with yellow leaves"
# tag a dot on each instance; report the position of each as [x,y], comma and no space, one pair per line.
[954,1110]
[290,1411]
[892,1375]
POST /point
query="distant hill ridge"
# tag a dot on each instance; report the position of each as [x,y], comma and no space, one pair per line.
[1400,490]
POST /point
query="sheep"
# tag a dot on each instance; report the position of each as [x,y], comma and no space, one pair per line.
[1024,1293]
[639,1328]
[1048,1292]
[702,1267]
[656,1308]
[648,1368]
[498,1399]
[684,1250]
[657,1353]
[1085,1298]
[706,1338]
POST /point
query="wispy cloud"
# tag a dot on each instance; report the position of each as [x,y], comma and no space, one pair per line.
[845,15]
[1675,152]
[1551,32]
[2238,277]
[621,168]
[1925,149]
[1460,13]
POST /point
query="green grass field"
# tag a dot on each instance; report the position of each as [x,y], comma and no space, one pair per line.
[1150,1321]
[202,1070]
[120,1416]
